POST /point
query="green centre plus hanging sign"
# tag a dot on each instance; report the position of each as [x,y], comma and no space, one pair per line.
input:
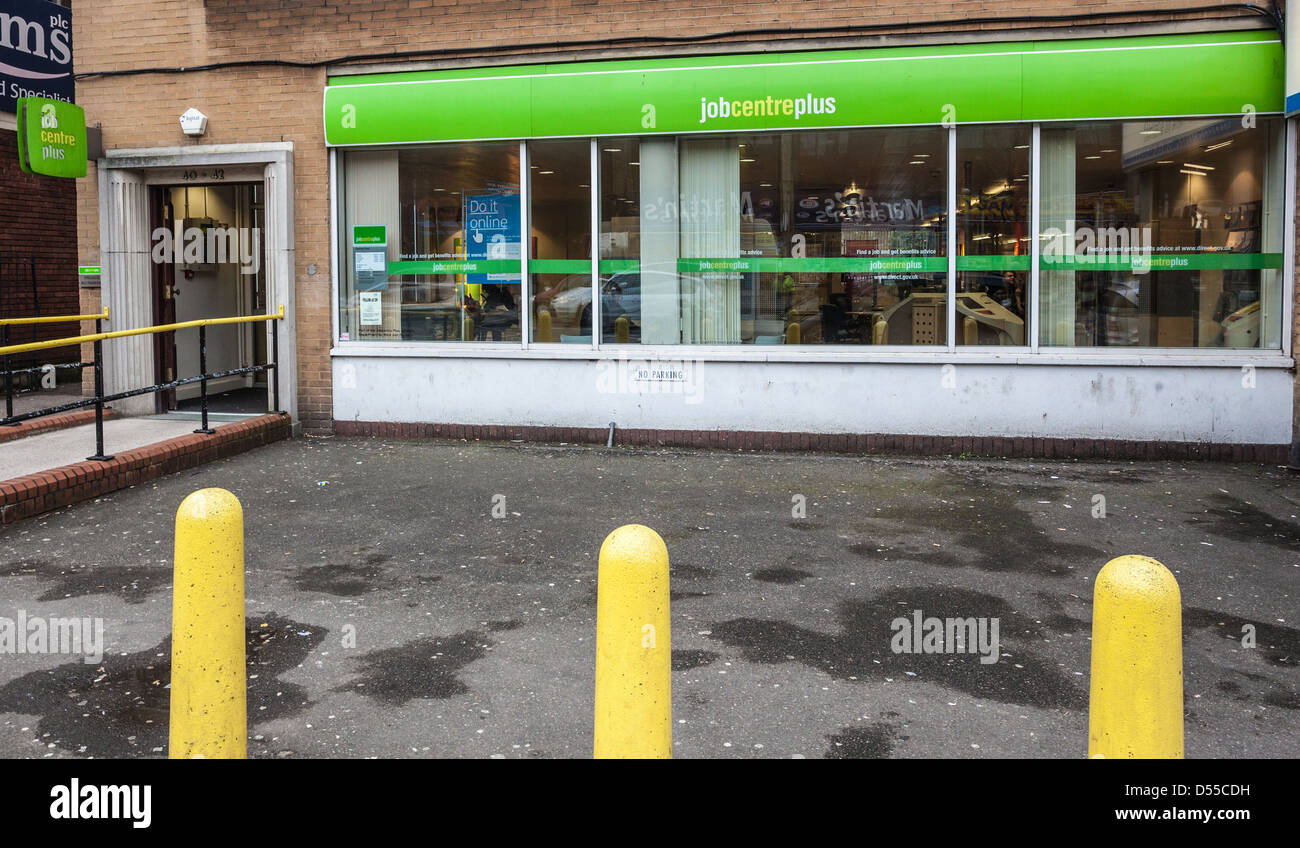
[51,137]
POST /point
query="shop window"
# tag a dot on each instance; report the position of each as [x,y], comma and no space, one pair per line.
[559,265]
[638,293]
[1162,234]
[993,234]
[431,241]
[835,237]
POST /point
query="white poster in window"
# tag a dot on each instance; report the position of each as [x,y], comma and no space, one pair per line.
[372,313]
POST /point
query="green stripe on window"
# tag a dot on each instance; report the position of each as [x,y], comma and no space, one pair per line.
[993,263]
[1164,262]
[820,265]
[454,266]
[559,266]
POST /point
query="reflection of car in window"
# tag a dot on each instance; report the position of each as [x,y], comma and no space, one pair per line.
[620,295]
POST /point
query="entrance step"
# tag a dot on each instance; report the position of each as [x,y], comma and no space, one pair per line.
[33,481]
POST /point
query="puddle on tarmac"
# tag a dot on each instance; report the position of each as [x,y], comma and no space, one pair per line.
[119,707]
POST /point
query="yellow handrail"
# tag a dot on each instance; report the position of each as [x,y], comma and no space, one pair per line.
[55,319]
[117,334]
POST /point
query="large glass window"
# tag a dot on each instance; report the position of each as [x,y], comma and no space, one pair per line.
[1162,233]
[993,226]
[431,244]
[1151,234]
[559,266]
[834,237]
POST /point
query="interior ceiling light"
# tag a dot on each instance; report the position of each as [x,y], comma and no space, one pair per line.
[1221,144]
[1194,165]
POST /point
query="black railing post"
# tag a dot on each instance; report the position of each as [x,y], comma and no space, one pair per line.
[99,397]
[275,366]
[9,379]
[203,382]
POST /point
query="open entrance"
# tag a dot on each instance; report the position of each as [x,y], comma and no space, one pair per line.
[215,267]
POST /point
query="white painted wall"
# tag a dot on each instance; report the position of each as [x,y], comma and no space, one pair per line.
[1130,402]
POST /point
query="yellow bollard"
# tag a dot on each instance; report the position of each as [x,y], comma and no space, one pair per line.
[793,333]
[543,334]
[209,710]
[1135,699]
[633,649]
[622,330]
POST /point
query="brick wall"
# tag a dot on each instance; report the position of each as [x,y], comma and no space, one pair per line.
[243,105]
[193,32]
[37,217]
[283,103]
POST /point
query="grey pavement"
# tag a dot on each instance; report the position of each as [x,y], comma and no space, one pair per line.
[30,401]
[43,451]
[474,635]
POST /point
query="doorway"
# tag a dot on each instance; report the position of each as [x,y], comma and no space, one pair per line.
[215,268]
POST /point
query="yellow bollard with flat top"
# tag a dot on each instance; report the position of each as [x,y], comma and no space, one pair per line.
[1135,699]
[544,334]
[209,697]
[633,648]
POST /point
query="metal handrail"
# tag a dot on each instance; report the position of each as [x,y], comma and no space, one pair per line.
[97,338]
[118,334]
[54,319]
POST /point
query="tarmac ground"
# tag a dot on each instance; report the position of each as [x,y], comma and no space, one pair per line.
[391,614]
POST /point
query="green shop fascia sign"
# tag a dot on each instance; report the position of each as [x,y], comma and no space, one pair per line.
[51,137]
[1137,77]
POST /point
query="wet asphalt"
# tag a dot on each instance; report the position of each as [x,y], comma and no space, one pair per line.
[390,614]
